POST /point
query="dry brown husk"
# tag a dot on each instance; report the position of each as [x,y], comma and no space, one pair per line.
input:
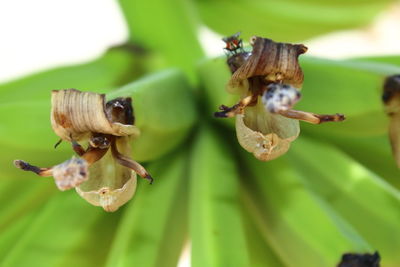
[266,135]
[275,62]
[391,99]
[76,115]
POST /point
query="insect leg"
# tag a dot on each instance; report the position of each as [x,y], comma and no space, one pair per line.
[311,117]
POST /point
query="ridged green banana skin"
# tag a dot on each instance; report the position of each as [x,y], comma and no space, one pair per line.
[216,228]
[153,227]
[302,229]
[365,200]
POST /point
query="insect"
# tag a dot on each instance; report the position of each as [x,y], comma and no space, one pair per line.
[391,100]
[103,173]
[235,52]
[268,80]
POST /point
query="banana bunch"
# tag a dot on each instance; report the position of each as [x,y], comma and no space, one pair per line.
[335,192]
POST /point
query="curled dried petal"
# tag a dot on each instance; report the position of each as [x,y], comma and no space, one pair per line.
[75,115]
[275,62]
[266,135]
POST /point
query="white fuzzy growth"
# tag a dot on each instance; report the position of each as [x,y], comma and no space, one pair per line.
[279,97]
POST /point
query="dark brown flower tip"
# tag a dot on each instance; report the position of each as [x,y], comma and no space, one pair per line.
[391,88]
[360,260]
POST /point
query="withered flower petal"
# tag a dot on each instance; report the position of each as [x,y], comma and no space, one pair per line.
[104,174]
[268,81]
[110,185]
[266,135]
[275,62]
[75,115]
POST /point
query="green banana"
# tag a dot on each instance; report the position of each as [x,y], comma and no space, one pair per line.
[78,239]
[286,20]
[216,229]
[361,197]
[153,227]
[302,229]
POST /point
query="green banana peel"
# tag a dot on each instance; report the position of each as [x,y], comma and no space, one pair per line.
[151,230]
[300,227]
[165,111]
[354,192]
[216,228]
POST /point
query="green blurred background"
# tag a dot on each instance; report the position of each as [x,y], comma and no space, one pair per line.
[212,204]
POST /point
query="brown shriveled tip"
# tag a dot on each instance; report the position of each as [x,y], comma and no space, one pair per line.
[331,118]
[148,177]
[391,88]
[20,164]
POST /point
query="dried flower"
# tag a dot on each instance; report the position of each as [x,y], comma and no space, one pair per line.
[391,100]
[268,80]
[104,174]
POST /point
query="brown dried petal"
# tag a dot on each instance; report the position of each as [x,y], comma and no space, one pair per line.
[264,134]
[110,184]
[391,100]
[276,62]
[77,114]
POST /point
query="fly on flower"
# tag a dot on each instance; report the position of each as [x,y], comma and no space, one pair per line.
[391,100]
[268,80]
[103,173]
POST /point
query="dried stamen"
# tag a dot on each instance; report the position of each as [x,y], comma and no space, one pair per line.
[129,163]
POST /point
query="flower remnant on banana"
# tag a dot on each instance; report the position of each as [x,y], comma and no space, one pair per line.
[360,260]
[103,174]
[391,100]
[268,80]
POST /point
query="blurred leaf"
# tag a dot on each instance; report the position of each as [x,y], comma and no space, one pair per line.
[66,232]
[169,29]
[153,227]
[300,227]
[113,69]
[365,200]
[286,20]
[260,252]
[372,152]
[30,194]
[216,228]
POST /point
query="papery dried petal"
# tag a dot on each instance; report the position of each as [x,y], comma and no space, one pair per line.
[264,134]
[75,115]
[110,184]
[275,62]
